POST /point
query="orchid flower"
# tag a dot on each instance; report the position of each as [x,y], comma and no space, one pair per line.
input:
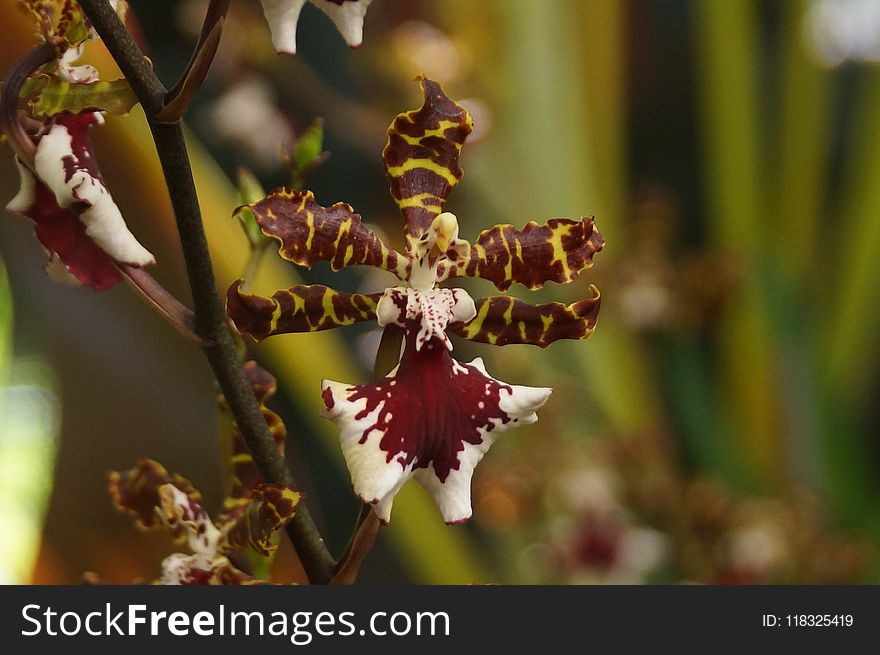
[62,191]
[283,15]
[432,417]
[252,513]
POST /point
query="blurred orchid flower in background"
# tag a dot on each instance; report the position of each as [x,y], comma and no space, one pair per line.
[283,15]
[253,512]
[62,189]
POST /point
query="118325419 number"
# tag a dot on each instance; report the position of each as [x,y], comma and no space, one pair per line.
[818,620]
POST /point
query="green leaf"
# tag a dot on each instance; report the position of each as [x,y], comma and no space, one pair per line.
[45,96]
[250,191]
[309,146]
[307,154]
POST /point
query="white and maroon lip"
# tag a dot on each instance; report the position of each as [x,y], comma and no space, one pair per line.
[432,418]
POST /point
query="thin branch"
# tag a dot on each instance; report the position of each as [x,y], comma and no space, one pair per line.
[365,532]
[181,94]
[210,318]
[252,268]
[178,314]
[19,140]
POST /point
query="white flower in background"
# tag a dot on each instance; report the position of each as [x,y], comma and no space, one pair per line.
[842,30]
[282,15]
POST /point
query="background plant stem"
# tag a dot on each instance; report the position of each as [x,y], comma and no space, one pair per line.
[210,318]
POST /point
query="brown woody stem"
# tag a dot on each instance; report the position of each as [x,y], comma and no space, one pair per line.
[210,318]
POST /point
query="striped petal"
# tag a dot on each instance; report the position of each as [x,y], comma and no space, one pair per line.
[432,418]
[421,157]
[309,232]
[252,511]
[503,320]
[553,252]
[301,308]
[243,474]
[254,523]
[61,21]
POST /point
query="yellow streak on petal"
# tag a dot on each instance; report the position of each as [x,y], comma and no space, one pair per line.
[428,164]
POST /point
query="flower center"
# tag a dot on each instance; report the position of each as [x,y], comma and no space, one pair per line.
[431,310]
[438,244]
[421,304]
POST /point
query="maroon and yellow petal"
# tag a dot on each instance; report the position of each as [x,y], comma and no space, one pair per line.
[244,478]
[269,508]
[309,233]
[242,470]
[301,308]
[555,251]
[136,491]
[503,320]
[421,157]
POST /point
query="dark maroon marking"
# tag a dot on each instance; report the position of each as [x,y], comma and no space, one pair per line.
[600,542]
[327,397]
[434,411]
[221,573]
[81,158]
[61,232]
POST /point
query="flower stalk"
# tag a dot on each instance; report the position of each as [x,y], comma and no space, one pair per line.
[210,319]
